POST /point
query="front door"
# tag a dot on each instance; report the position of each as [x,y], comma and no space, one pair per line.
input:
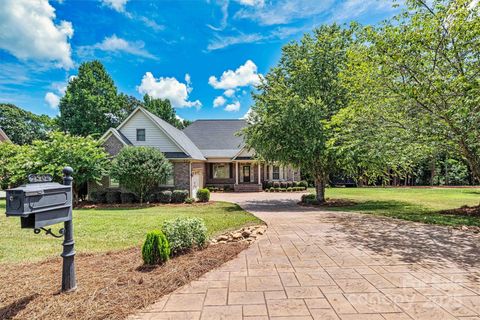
[196,182]
[246,173]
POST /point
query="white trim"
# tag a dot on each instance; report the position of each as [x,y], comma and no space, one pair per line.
[4,135]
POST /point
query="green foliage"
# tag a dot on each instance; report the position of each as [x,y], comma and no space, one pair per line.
[155,249]
[163,109]
[84,155]
[21,126]
[90,105]
[203,195]
[309,199]
[291,118]
[303,184]
[98,196]
[415,78]
[140,169]
[189,200]
[179,196]
[185,234]
[165,196]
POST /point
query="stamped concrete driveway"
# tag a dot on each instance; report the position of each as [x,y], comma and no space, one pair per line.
[314,264]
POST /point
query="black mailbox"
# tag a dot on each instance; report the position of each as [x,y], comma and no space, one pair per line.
[40,204]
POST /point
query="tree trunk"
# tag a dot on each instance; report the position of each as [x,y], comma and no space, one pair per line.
[320,189]
[432,172]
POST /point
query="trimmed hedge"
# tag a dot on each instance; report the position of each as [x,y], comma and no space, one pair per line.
[179,196]
[98,196]
[128,197]
[155,249]
[309,198]
[112,197]
[203,195]
[189,200]
[164,196]
[303,184]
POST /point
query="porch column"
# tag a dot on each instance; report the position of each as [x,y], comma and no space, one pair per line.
[236,172]
[259,176]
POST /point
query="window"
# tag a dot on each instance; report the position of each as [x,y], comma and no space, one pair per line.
[140,134]
[276,173]
[114,183]
[221,171]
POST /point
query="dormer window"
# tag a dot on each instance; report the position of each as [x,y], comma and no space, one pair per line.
[140,134]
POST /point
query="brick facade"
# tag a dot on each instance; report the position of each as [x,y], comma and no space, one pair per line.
[112,145]
[181,175]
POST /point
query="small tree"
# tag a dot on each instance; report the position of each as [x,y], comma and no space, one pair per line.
[141,169]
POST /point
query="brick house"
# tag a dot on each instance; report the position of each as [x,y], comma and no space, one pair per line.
[206,153]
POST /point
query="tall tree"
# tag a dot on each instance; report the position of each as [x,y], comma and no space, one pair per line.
[163,109]
[21,126]
[424,64]
[90,105]
[290,122]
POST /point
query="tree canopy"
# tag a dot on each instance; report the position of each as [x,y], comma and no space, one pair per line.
[21,126]
[291,121]
[90,105]
[163,109]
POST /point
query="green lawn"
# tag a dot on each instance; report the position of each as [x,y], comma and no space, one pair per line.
[111,229]
[415,204]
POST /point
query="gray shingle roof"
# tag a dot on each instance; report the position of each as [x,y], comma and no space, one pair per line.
[216,138]
[180,137]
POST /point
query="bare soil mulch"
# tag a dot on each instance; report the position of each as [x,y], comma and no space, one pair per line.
[463,211]
[110,285]
[90,205]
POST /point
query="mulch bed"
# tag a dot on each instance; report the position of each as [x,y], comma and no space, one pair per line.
[463,211]
[110,285]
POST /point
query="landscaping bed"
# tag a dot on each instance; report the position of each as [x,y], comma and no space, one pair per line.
[111,285]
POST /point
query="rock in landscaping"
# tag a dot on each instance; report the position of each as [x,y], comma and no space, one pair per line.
[247,234]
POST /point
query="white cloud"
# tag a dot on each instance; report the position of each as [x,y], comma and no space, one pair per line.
[279,33]
[352,9]
[252,3]
[168,88]
[233,107]
[117,5]
[223,21]
[116,44]
[28,31]
[245,75]
[52,99]
[151,24]
[219,101]
[284,11]
[229,93]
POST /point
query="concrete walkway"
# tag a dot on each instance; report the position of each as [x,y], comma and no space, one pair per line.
[313,264]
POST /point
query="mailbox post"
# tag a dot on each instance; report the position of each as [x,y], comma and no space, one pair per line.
[69,280]
[42,203]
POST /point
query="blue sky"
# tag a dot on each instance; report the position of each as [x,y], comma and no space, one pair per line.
[204,55]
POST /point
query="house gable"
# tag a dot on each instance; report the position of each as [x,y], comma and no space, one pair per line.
[154,136]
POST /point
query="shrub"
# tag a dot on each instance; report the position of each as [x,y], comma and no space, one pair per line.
[140,169]
[155,249]
[152,198]
[283,184]
[289,189]
[309,198]
[276,184]
[272,189]
[98,197]
[189,200]
[296,183]
[127,197]
[179,196]
[303,184]
[112,197]
[283,189]
[203,195]
[290,184]
[277,189]
[164,196]
[268,184]
[185,233]
[267,190]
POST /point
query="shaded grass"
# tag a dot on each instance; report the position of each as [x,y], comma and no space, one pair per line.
[99,230]
[414,204]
